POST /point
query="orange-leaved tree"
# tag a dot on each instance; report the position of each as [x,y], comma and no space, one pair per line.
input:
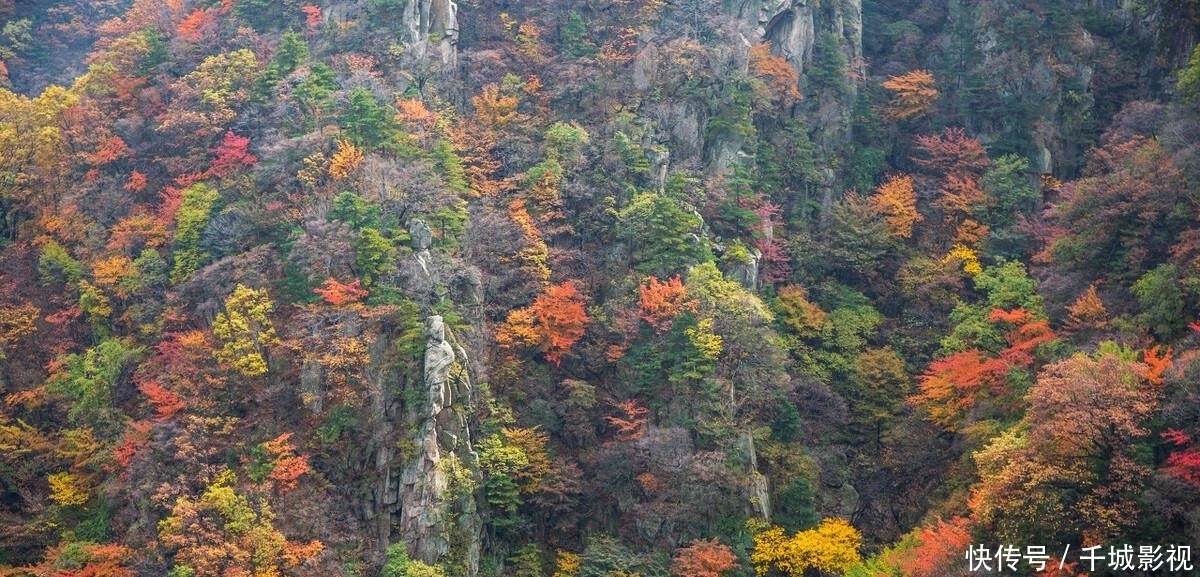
[137,182]
[553,323]
[285,465]
[80,559]
[960,198]
[660,302]
[111,150]
[703,558]
[897,200]
[938,549]
[312,18]
[955,385]
[197,26]
[345,160]
[632,425]
[915,93]
[1087,312]
[341,294]
[224,532]
[494,107]
[531,441]
[16,322]
[799,314]
[165,402]
[534,256]
[781,80]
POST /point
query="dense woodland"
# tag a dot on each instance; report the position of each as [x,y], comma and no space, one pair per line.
[596,288]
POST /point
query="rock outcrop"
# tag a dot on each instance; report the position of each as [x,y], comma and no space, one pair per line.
[432,25]
[427,29]
[436,516]
[790,28]
[743,267]
[424,485]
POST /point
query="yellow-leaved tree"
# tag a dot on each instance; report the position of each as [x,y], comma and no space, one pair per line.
[245,331]
[16,322]
[965,255]
[831,547]
[67,489]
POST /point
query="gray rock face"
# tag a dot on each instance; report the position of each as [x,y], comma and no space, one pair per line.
[746,272]
[422,236]
[422,489]
[792,25]
[790,28]
[311,382]
[466,288]
[427,27]
[660,162]
[432,24]
[430,516]
[439,357]
[422,240]
[685,122]
[850,15]
[725,150]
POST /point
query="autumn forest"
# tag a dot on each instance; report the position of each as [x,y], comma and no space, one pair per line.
[599,288]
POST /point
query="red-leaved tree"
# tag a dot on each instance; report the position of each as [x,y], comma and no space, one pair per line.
[229,156]
[952,152]
[1183,463]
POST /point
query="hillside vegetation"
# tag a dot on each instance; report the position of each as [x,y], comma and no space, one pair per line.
[603,288]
